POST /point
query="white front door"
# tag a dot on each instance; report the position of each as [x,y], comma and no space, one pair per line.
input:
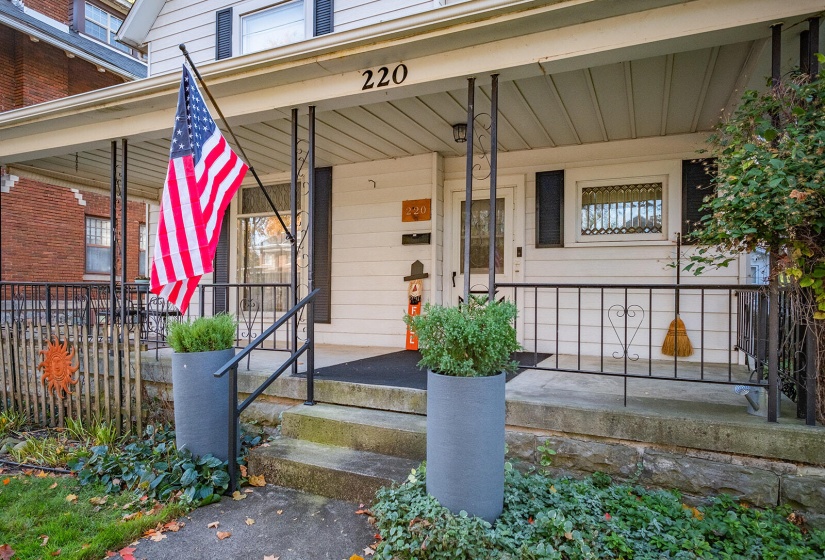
[480,242]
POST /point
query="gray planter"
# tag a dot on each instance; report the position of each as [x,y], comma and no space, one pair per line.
[201,402]
[465,443]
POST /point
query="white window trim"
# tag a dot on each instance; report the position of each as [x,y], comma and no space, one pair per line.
[667,172]
[251,6]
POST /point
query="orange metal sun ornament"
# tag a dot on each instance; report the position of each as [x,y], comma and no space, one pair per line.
[57,367]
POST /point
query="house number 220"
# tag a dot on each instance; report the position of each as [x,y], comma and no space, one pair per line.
[384,77]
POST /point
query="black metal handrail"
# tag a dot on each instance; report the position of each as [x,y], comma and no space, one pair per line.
[231,367]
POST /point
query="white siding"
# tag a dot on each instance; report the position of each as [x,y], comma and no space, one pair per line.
[369,263]
[193,22]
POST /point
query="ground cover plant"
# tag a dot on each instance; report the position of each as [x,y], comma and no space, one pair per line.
[594,518]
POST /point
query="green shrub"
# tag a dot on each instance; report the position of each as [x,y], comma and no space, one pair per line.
[203,334]
[563,518]
[154,467]
[10,421]
[476,339]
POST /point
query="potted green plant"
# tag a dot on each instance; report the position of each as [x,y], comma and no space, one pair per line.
[468,351]
[201,347]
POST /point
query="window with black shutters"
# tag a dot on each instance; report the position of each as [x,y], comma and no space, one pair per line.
[323,17]
[223,34]
[550,209]
[697,183]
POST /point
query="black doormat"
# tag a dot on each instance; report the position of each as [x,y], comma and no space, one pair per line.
[397,369]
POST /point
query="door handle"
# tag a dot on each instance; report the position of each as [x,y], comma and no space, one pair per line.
[454,273]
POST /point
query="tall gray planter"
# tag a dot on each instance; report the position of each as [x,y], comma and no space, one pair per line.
[201,402]
[465,443]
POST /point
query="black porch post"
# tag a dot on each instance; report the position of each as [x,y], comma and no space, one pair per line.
[310,239]
[468,193]
[123,237]
[293,227]
[491,283]
[773,298]
[813,46]
[113,240]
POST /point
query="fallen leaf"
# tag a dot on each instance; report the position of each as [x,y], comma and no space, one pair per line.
[71,498]
[156,509]
[213,525]
[250,521]
[28,472]
[243,470]
[6,481]
[530,520]
[173,526]
[356,557]
[98,501]
[127,553]
[53,486]
[57,552]
[223,535]
[143,498]
[368,551]
[568,536]
[279,512]
[157,537]
[135,515]
[363,511]
[6,552]
[45,540]
[84,546]
[271,557]
[248,490]
[257,480]
[41,474]
[238,496]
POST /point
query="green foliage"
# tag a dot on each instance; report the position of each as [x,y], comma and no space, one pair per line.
[770,185]
[154,467]
[33,508]
[473,340]
[52,451]
[203,334]
[547,518]
[99,432]
[10,421]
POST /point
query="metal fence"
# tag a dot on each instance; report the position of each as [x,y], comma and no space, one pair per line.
[619,330]
[255,306]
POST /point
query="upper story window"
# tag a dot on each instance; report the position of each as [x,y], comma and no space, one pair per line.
[273,26]
[103,26]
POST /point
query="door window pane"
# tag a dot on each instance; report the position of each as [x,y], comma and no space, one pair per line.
[480,237]
[273,27]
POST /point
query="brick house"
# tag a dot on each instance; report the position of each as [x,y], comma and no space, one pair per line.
[51,49]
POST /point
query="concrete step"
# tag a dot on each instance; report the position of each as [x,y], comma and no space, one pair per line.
[378,431]
[327,470]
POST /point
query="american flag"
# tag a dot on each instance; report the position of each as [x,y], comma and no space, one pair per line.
[203,175]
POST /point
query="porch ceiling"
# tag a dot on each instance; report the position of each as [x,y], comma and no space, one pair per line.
[669,93]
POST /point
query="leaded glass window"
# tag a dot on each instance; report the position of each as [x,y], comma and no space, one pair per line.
[480,236]
[621,209]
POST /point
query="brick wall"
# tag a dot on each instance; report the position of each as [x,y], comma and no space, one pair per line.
[42,232]
[55,9]
[8,73]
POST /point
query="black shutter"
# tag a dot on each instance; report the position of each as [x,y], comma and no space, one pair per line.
[323,17]
[322,243]
[697,177]
[221,268]
[223,34]
[550,209]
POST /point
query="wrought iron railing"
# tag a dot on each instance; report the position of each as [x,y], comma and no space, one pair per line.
[619,330]
[255,306]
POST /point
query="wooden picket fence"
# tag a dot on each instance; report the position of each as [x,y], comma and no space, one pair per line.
[107,389]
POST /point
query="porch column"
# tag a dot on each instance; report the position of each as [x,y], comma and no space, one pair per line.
[468,204]
[123,228]
[113,239]
[293,228]
[813,46]
[773,299]
[491,283]
[310,238]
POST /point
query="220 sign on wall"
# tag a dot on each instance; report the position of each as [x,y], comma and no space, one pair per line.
[382,77]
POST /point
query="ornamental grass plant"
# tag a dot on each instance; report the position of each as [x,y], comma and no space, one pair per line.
[476,339]
[204,334]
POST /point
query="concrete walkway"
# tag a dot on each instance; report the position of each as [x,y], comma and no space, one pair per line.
[286,524]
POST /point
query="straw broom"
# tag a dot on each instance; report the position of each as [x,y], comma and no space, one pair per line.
[676,341]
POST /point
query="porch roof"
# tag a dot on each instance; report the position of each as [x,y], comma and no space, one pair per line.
[572,72]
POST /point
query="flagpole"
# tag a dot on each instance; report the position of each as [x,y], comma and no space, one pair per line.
[238,144]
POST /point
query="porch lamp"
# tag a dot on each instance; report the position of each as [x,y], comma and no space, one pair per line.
[460,132]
